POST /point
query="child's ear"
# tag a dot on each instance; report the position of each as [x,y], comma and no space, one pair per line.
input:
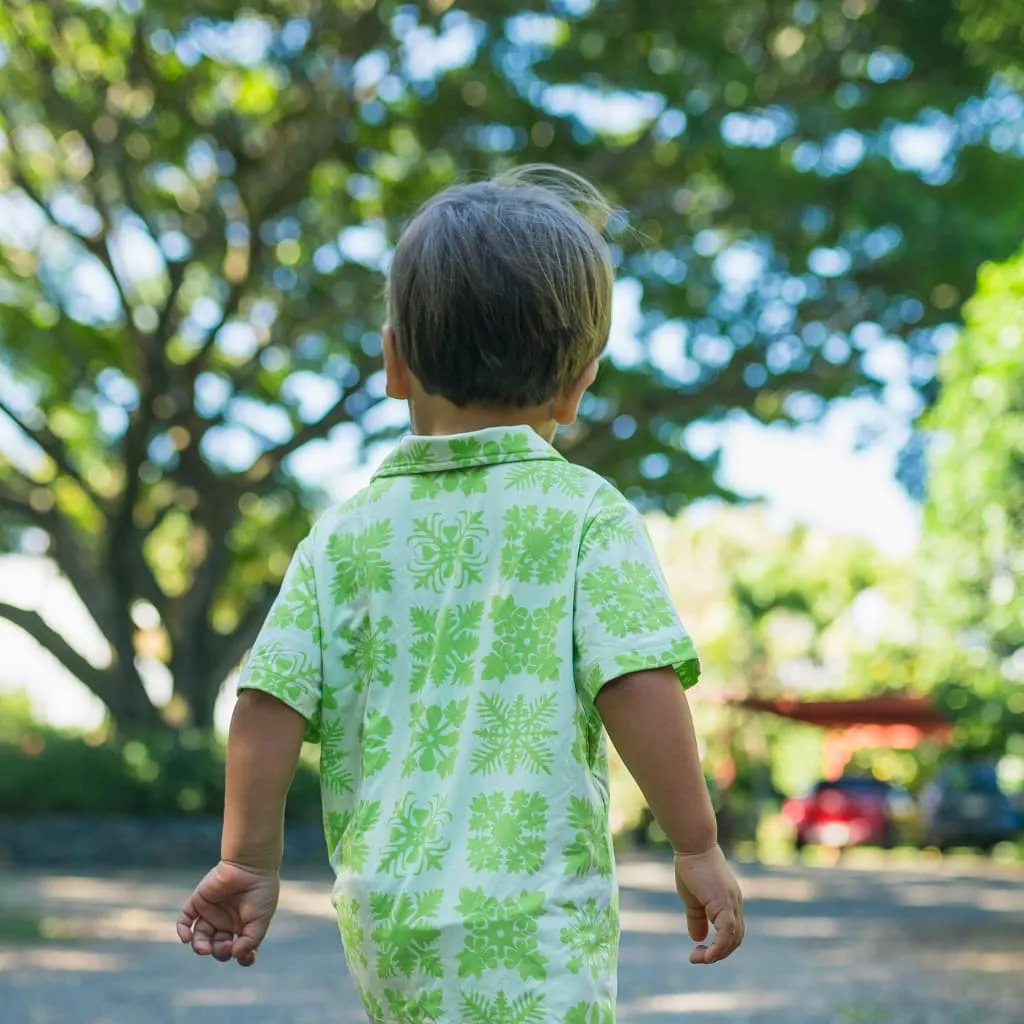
[396,369]
[567,404]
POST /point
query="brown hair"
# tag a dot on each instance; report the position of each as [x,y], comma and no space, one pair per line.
[500,291]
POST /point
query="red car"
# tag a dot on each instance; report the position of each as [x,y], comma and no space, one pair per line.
[850,811]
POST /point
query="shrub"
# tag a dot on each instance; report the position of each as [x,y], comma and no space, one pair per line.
[45,771]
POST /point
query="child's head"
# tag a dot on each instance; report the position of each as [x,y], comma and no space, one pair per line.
[499,294]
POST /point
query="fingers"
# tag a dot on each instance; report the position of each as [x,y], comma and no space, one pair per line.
[729,932]
[203,934]
[253,933]
[697,923]
[187,918]
[223,946]
[246,959]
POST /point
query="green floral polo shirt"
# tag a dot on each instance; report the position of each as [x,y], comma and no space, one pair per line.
[445,634]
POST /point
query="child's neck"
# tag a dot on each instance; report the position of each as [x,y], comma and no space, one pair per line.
[432,415]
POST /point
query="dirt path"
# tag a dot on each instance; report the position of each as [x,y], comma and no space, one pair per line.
[836,946]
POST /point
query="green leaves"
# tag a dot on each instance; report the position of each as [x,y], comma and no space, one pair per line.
[972,572]
[198,202]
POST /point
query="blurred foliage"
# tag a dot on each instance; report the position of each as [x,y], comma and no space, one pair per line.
[972,563]
[197,201]
[787,611]
[49,771]
[994,33]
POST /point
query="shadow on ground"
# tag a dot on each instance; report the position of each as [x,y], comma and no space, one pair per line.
[935,945]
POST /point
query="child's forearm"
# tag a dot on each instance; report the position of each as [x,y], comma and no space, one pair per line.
[263,751]
[648,720]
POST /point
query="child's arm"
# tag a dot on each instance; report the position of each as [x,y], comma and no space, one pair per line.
[648,720]
[228,914]
[263,751]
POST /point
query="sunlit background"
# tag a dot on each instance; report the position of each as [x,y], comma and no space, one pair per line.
[197,209]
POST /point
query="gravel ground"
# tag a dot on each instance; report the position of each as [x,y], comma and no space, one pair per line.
[933,944]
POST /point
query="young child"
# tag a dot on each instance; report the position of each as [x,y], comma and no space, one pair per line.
[458,637]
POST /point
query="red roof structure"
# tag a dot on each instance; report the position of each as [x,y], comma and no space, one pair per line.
[896,722]
[917,712]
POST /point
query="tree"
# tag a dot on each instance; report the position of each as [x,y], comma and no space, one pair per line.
[197,202]
[973,564]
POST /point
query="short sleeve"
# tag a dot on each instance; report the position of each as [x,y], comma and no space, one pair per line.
[286,661]
[624,619]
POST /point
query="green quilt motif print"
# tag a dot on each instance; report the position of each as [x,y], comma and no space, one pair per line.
[351,929]
[416,840]
[470,451]
[297,607]
[592,936]
[406,933]
[354,846]
[425,1008]
[525,641]
[679,654]
[476,1008]
[445,644]
[590,1013]
[537,548]
[435,737]
[335,823]
[628,599]
[501,932]
[359,562]
[371,652]
[335,773]
[514,734]
[448,550]
[283,673]
[411,456]
[607,532]
[508,833]
[375,738]
[433,485]
[589,852]
[547,475]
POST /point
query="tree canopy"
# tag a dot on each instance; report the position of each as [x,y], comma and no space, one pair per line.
[973,564]
[197,201]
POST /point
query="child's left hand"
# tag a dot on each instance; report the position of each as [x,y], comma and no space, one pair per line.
[229,913]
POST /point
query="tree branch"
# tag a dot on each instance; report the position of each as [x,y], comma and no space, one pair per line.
[52,445]
[96,679]
[72,558]
[240,639]
[273,457]
[96,247]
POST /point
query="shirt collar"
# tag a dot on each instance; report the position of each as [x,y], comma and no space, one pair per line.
[491,446]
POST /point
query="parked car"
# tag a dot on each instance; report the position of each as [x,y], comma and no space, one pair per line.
[965,806]
[853,810]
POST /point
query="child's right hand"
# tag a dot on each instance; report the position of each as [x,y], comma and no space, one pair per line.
[711,895]
[229,913]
